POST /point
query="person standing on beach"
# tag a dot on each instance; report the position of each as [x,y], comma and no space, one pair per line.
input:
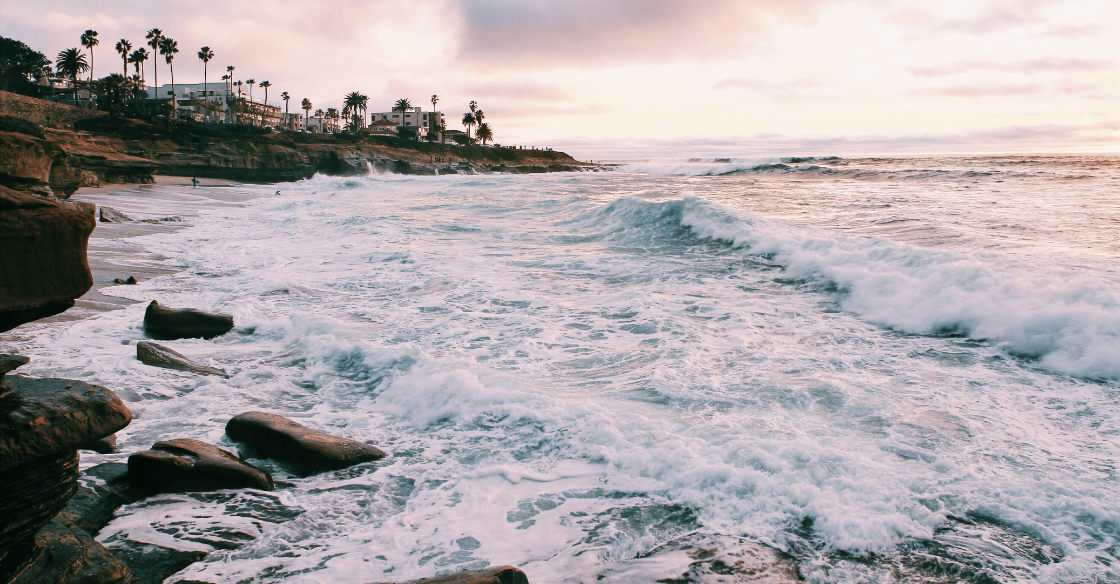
[194,183]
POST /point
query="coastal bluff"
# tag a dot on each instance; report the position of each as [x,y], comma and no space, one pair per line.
[89,148]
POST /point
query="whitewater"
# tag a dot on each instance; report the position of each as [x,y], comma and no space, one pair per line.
[885,369]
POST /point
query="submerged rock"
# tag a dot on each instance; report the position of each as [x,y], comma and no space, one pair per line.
[43,265]
[102,490]
[111,215]
[152,564]
[310,451]
[165,323]
[131,281]
[497,575]
[184,464]
[150,353]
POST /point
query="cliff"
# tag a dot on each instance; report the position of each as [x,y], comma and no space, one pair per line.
[102,149]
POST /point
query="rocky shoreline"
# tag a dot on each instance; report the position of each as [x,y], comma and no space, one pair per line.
[49,146]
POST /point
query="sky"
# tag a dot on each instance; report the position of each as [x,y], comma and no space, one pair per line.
[614,79]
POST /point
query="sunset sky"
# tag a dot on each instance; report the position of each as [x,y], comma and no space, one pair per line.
[631,78]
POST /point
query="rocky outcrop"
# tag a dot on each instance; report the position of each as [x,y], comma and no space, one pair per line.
[165,323]
[111,215]
[42,424]
[150,353]
[184,464]
[43,265]
[498,575]
[27,162]
[309,451]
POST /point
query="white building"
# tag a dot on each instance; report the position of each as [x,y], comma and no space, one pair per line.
[412,118]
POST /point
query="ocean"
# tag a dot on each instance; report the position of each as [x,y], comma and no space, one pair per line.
[697,370]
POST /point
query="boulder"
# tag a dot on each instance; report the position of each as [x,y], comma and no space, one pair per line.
[187,323]
[40,431]
[9,363]
[150,353]
[310,451]
[111,215]
[67,555]
[106,445]
[130,281]
[184,464]
[43,265]
[497,575]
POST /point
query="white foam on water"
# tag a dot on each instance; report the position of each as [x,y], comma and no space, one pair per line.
[567,386]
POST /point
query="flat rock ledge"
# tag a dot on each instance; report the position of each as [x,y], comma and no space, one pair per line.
[309,451]
[497,575]
[184,464]
[163,323]
[157,355]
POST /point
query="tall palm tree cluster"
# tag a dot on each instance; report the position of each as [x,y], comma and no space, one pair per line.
[354,107]
[475,117]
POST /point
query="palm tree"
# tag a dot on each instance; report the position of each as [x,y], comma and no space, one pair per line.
[250,83]
[284,96]
[266,85]
[123,47]
[468,121]
[306,109]
[229,69]
[204,55]
[352,106]
[484,132]
[154,37]
[435,98]
[238,84]
[89,40]
[71,62]
[168,47]
[473,105]
[137,58]
[332,115]
[402,105]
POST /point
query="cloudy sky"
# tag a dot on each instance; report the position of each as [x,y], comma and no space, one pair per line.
[635,78]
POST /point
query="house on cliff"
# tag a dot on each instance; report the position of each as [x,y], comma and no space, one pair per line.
[383,127]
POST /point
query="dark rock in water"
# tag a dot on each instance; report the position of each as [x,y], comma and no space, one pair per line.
[43,266]
[184,464]
[150,353]
[103,489]
[498,575]
[67,555]
[130,281]
[40,432]
[111,215]
[310,451]
[152,564]
[55,417]
[187,323]
[106,445]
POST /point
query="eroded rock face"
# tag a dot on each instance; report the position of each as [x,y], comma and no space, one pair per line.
[497,575]
[30,162]
[43,265]
[165,323]
[184,464]
[156,355]
[310,451]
